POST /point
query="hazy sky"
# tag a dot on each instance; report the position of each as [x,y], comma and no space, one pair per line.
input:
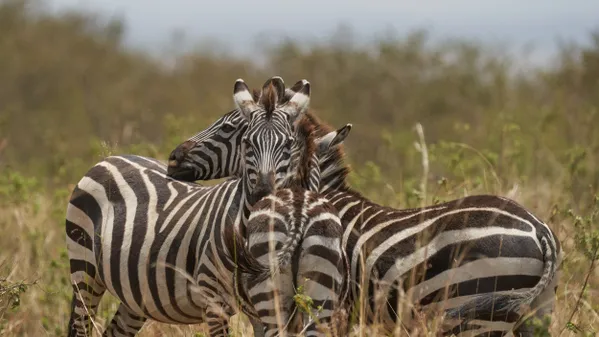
[237,23]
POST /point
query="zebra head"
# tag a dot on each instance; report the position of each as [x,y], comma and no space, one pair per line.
[269,147]
[216,151]
[212,153]
[311,178]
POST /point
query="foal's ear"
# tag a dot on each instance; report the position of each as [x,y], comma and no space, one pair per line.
[332,139]
[243,99]
[300,100]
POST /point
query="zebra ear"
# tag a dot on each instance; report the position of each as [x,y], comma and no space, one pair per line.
[289,92]
[279,85]
[243,99]
[332,138]
[299,102]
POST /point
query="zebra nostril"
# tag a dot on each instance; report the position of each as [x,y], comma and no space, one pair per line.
[175,158]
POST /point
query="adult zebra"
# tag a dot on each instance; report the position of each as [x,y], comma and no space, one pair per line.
[483,258]
[157,244]
[293,242]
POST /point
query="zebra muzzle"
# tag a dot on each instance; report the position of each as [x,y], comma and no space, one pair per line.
[176,163]
[265,185]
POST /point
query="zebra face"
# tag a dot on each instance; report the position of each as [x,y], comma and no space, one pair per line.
[212,153]
[269,144]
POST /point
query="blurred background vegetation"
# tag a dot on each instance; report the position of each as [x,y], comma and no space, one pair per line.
[71,93]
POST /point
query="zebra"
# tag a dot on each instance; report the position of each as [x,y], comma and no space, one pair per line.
[156,243]
[293,242]
[480,259]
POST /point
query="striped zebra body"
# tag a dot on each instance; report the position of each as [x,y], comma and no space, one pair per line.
[153,243]
[505,258]
[157,244]
[480,259]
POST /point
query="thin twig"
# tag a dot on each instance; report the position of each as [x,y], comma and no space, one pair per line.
[91,318]
[421,147]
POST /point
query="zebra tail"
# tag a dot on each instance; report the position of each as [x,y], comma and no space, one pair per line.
[289,247]
[513,301]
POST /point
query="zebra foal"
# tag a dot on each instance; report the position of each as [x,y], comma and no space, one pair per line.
[157,244]
[480,259]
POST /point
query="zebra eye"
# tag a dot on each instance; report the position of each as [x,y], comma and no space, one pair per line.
[227,127]
[290,140]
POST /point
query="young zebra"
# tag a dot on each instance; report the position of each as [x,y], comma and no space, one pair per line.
[482,258]
[157,244]
[293,242]
[288,223]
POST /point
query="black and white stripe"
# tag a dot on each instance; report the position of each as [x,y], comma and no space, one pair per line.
[481,256]
[157,244]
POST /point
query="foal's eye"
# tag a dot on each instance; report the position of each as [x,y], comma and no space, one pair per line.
[290,140]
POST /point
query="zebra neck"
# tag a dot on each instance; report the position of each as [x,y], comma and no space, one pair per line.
[333,173]
[333,180]
[246,202]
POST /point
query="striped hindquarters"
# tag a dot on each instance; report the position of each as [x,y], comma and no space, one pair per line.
[294,243]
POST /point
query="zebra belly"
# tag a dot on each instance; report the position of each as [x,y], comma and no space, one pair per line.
[446,274]
[456,286]
[152,299]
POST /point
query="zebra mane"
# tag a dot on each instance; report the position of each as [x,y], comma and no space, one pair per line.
[269,99]
[270,96]
[306,139]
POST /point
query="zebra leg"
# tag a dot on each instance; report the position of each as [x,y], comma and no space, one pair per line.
[542,308]
[124,323]
[321,274]
[217,318]
[258,327]
[86,296]
[272,298]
